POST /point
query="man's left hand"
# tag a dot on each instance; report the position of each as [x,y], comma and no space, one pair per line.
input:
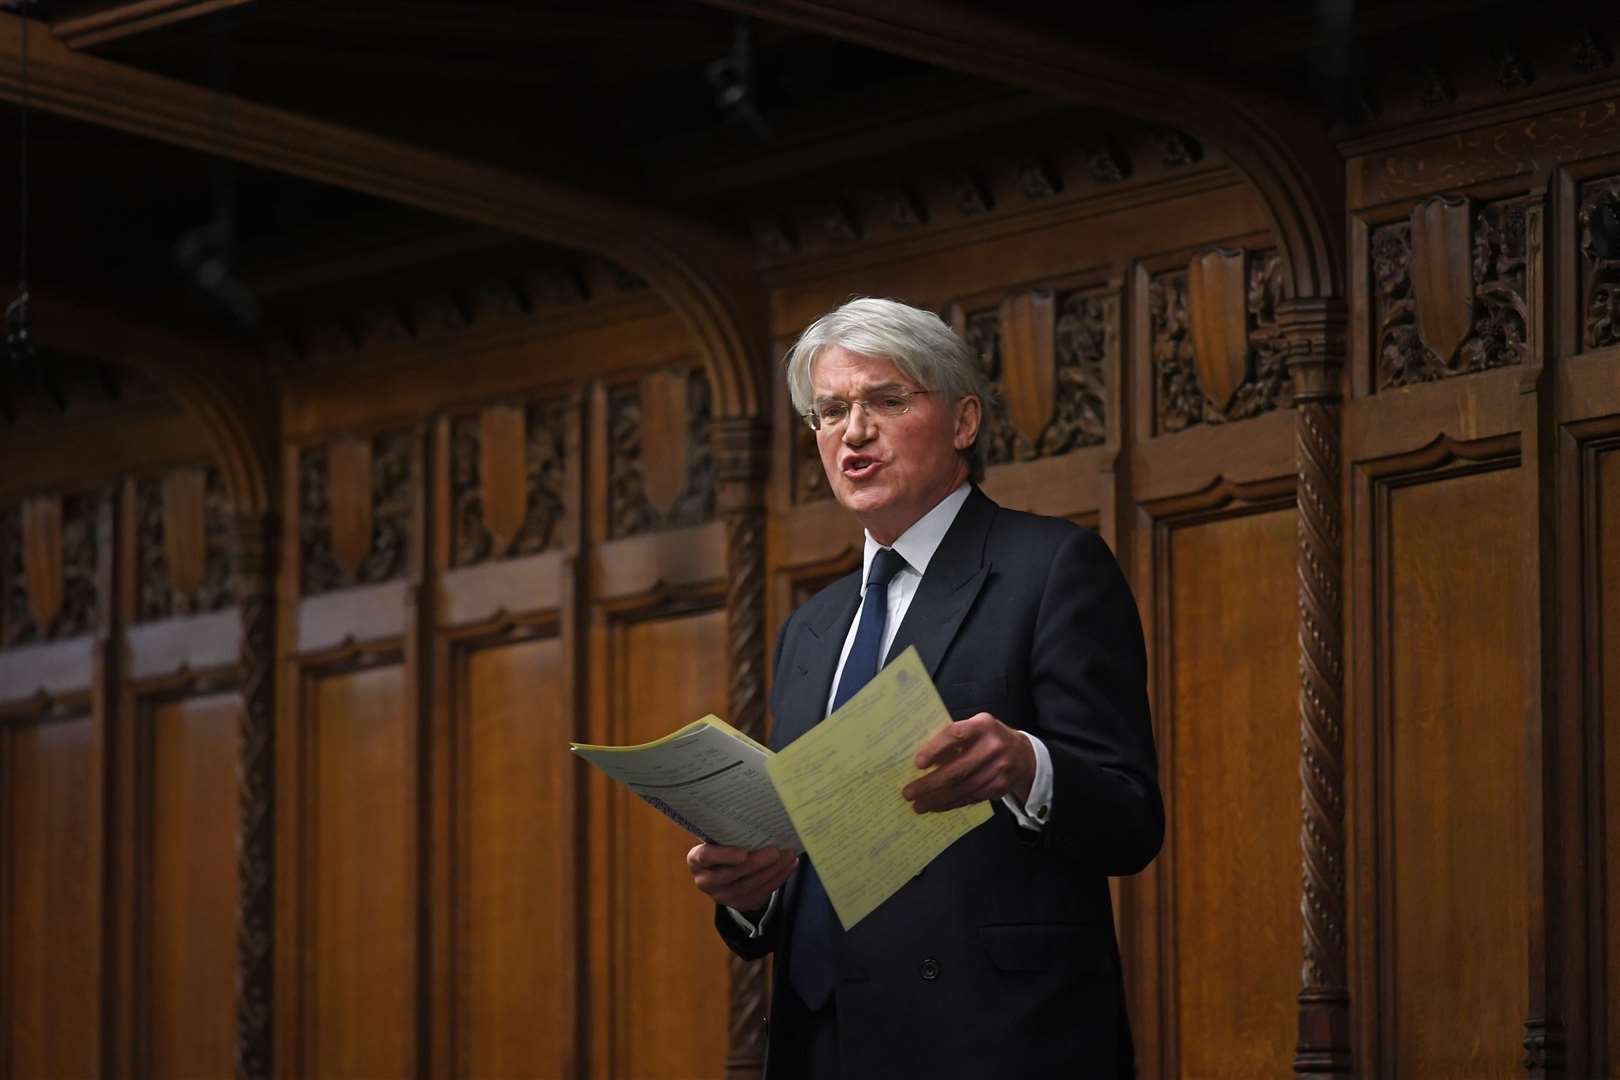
[977,759]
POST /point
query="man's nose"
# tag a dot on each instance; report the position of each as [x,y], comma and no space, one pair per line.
[858,428]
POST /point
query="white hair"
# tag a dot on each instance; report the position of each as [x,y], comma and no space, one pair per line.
[922,346]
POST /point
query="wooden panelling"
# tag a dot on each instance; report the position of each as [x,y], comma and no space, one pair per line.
[1235,806]
[47,952]
[659,994]
[359,869]
[515,978]
[1451,770]
[189,934]
[1601,654]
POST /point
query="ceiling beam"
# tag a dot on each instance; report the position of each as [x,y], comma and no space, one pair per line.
[705,275]
[1282,150]
[121,20]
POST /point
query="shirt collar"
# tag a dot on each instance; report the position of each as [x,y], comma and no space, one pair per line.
[917,544]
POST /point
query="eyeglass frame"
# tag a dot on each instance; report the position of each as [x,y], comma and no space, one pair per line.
[813,418]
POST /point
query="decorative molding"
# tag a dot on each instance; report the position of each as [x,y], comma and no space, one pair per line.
[1180,399]
[544,450]
[1107,162]
[809,476]
[254,563]
[74,548]
[1599,222]
[392,494]
[1058,372]
[1513,70]
[1450,288]
[157,594]
[970,193]
[1038,178]
[1177,149]
[630,510]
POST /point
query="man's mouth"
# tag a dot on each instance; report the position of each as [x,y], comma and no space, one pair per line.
[859,465]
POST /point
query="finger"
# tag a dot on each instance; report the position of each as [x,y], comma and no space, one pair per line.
[967,787]
[951,772]
[949,740]
[714,855]
[724,874]
[754,890]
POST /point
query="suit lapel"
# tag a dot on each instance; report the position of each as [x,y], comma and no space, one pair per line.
[816,657]
[955,575]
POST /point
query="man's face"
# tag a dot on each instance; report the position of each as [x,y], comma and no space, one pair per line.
[890,471]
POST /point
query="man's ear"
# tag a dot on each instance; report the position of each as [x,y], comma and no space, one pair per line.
[968,415]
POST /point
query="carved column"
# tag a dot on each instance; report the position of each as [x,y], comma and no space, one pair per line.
[254,539]
[1314,330]
[740,447]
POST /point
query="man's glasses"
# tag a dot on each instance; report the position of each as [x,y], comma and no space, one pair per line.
[834,413]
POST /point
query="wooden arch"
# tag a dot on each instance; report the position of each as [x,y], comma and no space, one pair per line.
[704,275]
[216,380]
[1281,151]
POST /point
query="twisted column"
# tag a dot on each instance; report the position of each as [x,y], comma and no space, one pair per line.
[1314,331]
[740,455]
[254,555]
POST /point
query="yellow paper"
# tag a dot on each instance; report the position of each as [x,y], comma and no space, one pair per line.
[841,782]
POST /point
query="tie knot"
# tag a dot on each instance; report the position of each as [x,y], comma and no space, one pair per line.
[885,564]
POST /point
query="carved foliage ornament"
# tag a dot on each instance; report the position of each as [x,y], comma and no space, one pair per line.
[507,481]
[1600,263]
[182,543]
[1199,331]
[1449,291]
[48,553]
[636,451]
[1045,355]
[355,510]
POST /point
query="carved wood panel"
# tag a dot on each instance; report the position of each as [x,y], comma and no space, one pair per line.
[390,506]
[186,1020]
[358,900]
[1602,575]
[515,941]
[662,935]
[1451,801]
[1457,264]
[47,955]
[74,552]
[1049,381]
[158,594]
[1599,239]
[1181,400]
[540,496]
[631,511]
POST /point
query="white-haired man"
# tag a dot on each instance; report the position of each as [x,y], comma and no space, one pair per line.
[1000,958]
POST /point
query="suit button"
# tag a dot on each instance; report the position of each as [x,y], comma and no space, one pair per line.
[930,969]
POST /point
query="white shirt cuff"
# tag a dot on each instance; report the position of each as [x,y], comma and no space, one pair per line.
[1035,813]
[742,920]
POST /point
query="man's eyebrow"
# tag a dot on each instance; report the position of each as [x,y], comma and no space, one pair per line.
[879,388]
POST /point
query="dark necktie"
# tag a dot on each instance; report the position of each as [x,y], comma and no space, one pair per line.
[810,961]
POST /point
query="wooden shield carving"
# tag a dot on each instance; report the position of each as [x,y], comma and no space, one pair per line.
[42,558]
[663,436]
[185,532]
[1218,317]
[348,478]
[1443,273]
[1028,361]
[501,468]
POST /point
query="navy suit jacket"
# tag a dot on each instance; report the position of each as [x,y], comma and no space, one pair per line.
[999,959]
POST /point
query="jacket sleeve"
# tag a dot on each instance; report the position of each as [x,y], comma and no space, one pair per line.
[1089,682]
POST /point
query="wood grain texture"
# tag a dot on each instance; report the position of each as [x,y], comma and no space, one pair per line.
[1453,779]
[515,980]
[48,964]
[1607,482]
[666,989]
[1235,812]
[359,977]
[191,887]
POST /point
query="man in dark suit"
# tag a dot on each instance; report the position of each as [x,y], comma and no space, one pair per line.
[999,959]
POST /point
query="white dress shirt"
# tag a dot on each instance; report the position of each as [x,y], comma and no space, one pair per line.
[917,546]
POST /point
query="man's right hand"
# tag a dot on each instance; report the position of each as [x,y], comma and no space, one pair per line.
[740,879]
